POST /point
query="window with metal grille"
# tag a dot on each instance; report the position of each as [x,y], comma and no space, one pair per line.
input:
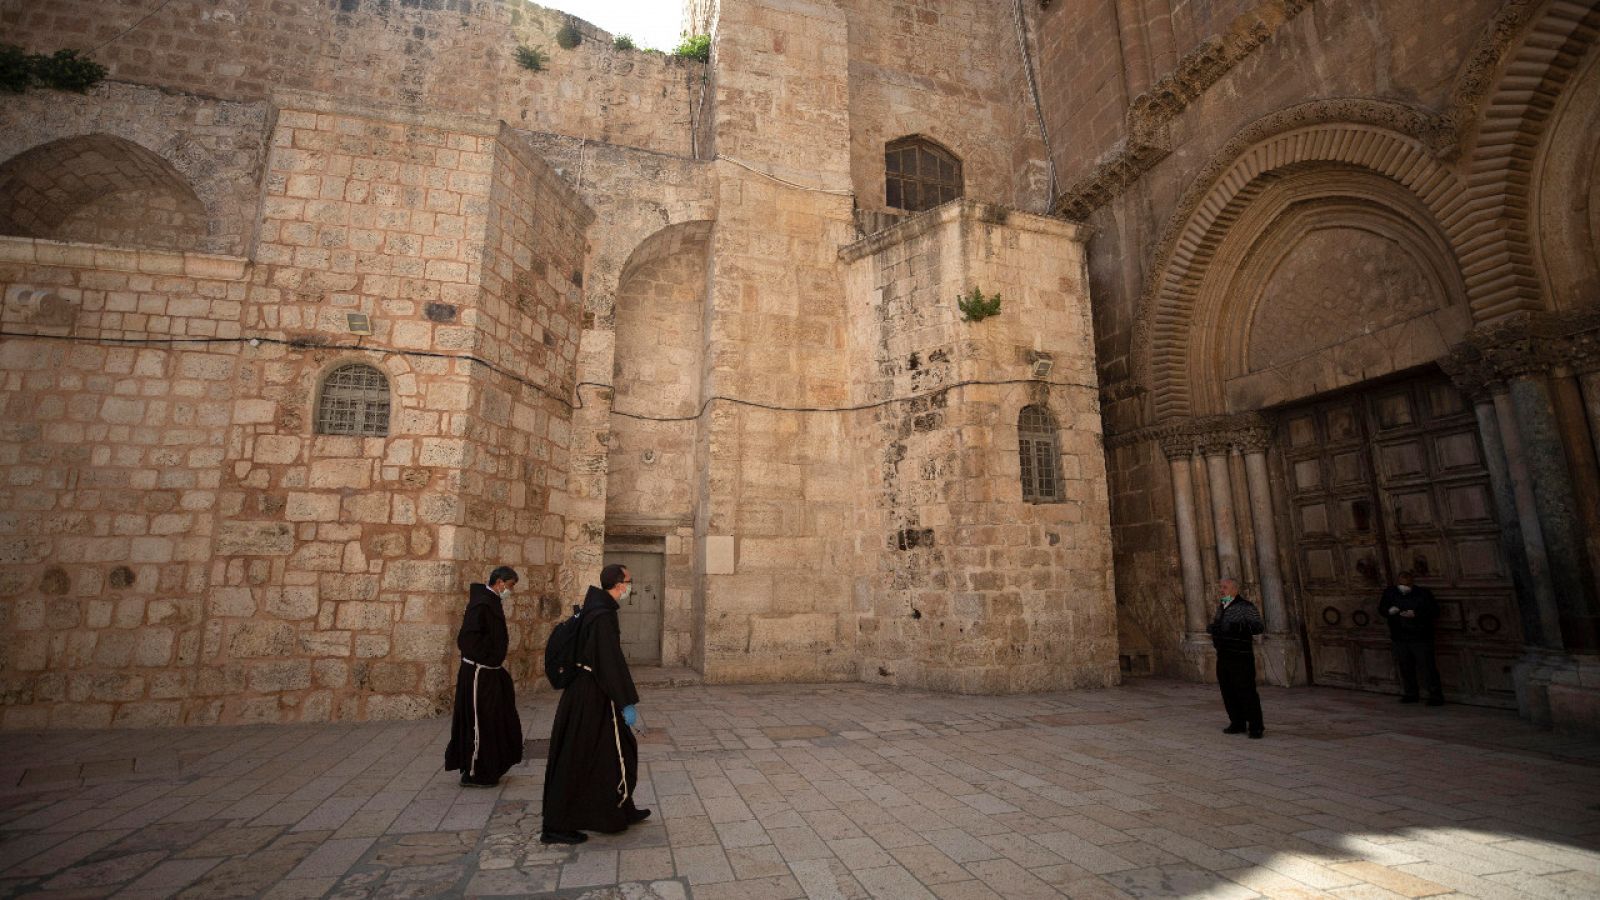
[1039,450]
[919,174]
[354,400]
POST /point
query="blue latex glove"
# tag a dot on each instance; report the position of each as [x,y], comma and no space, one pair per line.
[630,715]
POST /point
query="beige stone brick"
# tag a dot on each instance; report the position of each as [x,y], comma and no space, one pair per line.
[341,473]
[254,639]
[423,642]
[369,646]
[292,603]
[248,412]
[364,616]
[278,676]
[154,647]
[304,506]
[254,539]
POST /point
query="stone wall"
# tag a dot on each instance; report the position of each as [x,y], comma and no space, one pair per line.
[447,58]
[915,70]
[1196,76]
[774,501]
[189,547]
[121,146]
[962,585]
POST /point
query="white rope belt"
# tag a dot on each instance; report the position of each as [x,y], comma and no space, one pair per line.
[622,764]
[472,767]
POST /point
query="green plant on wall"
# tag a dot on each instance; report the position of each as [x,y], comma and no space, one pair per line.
[623,42]
[65,70]
[695,46]
[568,36]
[532,58]
[975,307]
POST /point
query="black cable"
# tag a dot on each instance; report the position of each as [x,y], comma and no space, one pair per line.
[129,30]
[577,389]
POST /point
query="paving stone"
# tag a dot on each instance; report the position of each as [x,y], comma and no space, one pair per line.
[977,798]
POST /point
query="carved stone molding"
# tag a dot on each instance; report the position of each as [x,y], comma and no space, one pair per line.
[1148,114]
[1497,256]
[1523,345]
[1246,432]
[1388,139]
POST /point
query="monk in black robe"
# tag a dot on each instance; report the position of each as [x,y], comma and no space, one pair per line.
[594,758]
[486,733]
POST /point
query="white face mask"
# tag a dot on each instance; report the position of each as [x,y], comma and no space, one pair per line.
[626,590]
[1405,588]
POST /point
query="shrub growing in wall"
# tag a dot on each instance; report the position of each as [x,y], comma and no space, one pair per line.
[695,46]
[65,70]
[531,58]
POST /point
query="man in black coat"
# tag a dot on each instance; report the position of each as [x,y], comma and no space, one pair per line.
[1232,633]
[485,732]
[594,758]
[1411,612]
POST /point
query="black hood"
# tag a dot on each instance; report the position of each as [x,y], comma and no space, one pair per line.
[598,599]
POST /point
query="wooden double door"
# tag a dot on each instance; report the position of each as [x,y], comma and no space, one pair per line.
[1389,479]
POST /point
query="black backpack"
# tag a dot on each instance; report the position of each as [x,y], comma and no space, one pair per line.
[561,651]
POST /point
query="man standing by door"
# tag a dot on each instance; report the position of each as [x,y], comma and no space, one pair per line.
[594,759]
[1411,612]
[1233,630]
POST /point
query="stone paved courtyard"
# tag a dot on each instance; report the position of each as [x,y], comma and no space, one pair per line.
[836,791]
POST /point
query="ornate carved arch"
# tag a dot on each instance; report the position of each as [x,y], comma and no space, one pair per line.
[1497,256]
[1386,138]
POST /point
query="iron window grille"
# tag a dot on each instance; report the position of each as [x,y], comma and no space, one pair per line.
[919,175]
[354,400]
[1039,449]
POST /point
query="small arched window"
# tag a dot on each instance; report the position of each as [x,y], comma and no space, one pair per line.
[1040,451]
[354,400]
[919,174]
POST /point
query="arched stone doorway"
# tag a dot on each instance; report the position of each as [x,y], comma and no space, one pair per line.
[1290,347]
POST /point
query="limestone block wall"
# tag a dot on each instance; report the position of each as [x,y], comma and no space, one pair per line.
[774,501]
[444,57]
[113,459]
[185,548]
[952,72]
[960,584]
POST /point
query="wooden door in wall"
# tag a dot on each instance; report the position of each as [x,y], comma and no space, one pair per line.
[1388,479]
[640,616]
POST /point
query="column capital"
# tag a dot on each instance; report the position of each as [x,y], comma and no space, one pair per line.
[1246,431]
[1522,345]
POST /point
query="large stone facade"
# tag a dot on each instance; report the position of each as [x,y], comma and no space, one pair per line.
[623,302]
[1341,255]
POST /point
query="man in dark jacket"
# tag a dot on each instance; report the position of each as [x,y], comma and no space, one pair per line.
[1232,631]
[1411,612]
[594,758]
[485,733]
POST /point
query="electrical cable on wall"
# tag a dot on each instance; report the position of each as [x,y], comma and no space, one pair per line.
[577,389]
[1038,107]
[793,184]
[130,29]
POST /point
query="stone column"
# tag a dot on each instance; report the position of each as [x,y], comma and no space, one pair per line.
[1272,602]
[1544,598]
[1196,613]
[1590,382]
[1222,515]
[1505,511]
[1556,499]
[1282,657]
